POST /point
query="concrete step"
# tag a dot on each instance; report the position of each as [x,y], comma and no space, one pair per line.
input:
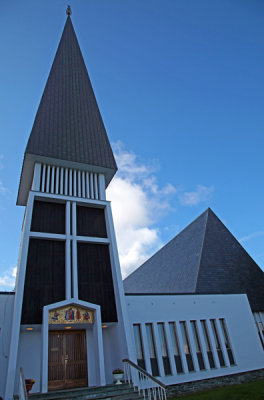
[129,395]
[95,396]
[75,391]
[113,392]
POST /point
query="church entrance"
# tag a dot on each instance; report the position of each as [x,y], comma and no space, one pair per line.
[67,363]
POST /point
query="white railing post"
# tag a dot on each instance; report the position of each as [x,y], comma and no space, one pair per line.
[144,382]
[22,392]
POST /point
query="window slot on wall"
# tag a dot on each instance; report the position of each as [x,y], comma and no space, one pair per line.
[261,328]
[227,341]
[139,346]
[176,348]
[152,350]
[197,345]
[217,343]
[186,345]
[164,348]
[259,333]
[208,344]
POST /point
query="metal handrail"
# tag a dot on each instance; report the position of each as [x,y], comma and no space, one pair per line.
[145,373]
[143,381]
[23,395]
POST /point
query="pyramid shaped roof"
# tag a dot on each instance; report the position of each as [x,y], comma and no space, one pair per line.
[205,258]
[68,124]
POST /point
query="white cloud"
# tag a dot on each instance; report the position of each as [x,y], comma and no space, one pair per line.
[3,189]
[8,278]
[251,236]
[137,203]
[201,194]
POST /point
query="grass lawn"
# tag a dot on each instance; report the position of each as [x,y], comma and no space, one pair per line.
[244,391]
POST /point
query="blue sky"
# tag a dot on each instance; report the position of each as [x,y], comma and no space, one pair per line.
[180,87]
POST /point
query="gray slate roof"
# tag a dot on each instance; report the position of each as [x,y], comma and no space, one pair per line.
[204,258]
[68,124]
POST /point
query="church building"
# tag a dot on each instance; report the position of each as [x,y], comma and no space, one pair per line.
[194,310]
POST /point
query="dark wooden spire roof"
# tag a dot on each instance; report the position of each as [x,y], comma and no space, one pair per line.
[204,258]
[68,125]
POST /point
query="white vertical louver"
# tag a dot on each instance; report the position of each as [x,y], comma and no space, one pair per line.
[70,182]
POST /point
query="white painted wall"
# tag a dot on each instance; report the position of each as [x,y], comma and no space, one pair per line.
[6,313]
[92,358]
[29,358]
[118,334]
[114,351]
[111,352]
[234,309]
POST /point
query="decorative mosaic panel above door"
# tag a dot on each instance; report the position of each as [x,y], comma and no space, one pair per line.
[71,314]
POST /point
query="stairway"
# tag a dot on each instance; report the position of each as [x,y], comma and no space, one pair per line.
[109,392]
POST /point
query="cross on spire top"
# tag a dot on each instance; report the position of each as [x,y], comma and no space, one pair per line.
[68,11]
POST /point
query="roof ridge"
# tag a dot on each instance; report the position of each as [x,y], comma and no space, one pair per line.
[202,247]
[237,241]
[168,243]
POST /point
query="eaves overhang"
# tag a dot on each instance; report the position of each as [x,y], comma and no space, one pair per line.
[28,172]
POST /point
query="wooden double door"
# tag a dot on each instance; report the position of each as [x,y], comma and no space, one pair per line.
[67,363]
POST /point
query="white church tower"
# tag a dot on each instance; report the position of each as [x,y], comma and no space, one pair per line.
[69,326]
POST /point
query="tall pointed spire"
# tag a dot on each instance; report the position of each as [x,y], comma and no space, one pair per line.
[68,125]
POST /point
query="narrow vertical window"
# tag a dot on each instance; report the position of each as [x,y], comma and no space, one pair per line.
[175,346]
[208,344]
[186,345]
[152,350]
[164,349]
[259,329]
[262,328]
[217,343]
[227,341]
[197,345]
[139,346]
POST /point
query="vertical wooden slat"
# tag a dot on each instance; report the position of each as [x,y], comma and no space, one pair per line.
[87,186]
[52,179]
[91,186]
[96,186]
[70,182]
[47,179]
[74,183]
[57,180]
[44,177]
[61,179]
[79,184]
[66,181]
[83,184]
